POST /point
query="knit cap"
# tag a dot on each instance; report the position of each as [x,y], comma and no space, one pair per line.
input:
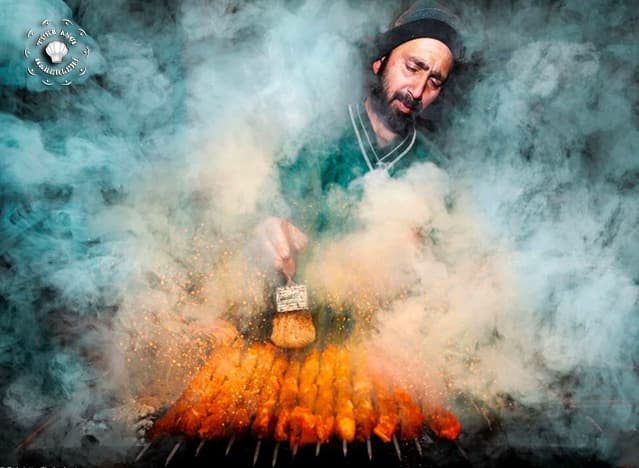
[425,18]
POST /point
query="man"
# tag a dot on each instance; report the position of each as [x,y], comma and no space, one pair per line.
[410,64]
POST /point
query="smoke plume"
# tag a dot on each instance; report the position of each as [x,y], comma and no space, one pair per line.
[500,279]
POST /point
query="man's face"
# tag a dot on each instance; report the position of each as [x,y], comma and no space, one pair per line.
[409,79]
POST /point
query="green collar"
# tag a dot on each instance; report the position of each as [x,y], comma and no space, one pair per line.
[374,156]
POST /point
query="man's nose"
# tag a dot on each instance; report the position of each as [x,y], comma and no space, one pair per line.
[417,88]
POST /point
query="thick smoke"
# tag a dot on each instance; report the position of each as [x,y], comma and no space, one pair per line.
[128,199]
[504,278]
[546,150]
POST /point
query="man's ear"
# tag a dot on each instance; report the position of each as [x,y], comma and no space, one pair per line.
[377,64]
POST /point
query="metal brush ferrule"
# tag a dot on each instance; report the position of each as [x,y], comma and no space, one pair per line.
[291,298]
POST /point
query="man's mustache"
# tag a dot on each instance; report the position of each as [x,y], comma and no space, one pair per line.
[408,100]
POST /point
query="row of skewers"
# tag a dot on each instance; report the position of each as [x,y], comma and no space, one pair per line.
[299,398]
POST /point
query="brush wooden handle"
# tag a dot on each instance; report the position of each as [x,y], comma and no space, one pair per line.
[288,263]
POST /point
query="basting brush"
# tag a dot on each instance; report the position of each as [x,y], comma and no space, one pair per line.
[293,325]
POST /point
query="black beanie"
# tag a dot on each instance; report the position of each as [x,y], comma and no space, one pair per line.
[423,19]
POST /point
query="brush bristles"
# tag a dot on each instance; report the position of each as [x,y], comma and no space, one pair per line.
[293,329]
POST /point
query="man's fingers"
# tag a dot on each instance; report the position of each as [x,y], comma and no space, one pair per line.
[278,262]
[298,238]
[288,267]
[277,235]
[284,264]
[282,241]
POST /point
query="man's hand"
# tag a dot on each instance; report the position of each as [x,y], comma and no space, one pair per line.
[282,242]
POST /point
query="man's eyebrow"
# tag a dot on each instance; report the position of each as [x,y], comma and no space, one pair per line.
[424,66]
[419,63]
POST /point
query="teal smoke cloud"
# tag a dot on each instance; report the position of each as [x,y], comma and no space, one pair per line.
[104,187]
[105,184]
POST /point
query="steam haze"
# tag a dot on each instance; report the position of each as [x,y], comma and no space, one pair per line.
[500,279]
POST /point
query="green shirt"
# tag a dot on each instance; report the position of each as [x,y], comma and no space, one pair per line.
[322,187]
[321,184]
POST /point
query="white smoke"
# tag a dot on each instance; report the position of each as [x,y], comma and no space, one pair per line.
[507,274]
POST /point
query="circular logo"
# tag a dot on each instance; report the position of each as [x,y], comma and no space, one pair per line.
[55,52]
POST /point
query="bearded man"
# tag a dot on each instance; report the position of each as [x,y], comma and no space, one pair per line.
[410,64]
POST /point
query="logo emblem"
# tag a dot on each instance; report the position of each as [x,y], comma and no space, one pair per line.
[55,52]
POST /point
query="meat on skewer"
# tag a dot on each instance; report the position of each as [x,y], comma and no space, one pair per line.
[189,403]
[410,415]
[325,403]
[220,409]
[364,411]
[388,418]
[287,399]
[303,417]
[192,418]
[299,398]
[246,405]
[344,409]
[269,396]
[443,423]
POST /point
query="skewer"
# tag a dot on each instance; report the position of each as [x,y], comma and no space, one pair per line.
[369,448]
[175,449]
[419,447]
[594,423]
[199,447]
[257,451]
[229,445]
[31,437]
[428,439]
[344,447]
[144,449]
[277,448]
[482,413]
[317,448]
[461,451]
[397,450]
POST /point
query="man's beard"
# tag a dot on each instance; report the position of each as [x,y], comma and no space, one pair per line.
[397,121]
